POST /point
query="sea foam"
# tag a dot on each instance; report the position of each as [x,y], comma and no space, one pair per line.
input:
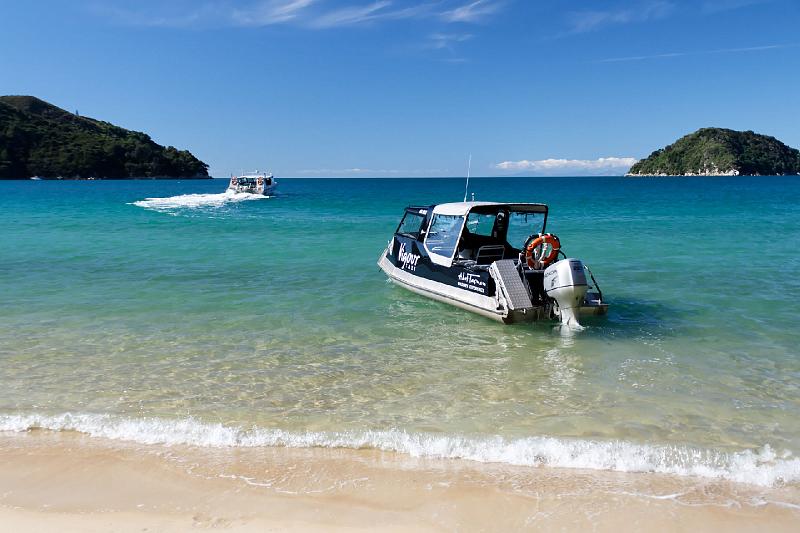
[191,201]
[762,467]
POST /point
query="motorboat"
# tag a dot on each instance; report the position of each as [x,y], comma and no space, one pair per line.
[256,183]
[494,259]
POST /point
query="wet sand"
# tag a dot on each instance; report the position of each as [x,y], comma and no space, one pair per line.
[70,482]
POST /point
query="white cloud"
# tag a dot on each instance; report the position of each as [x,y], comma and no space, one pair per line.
[345,171]
[700,52]
[474,11]
[583,21]
[374,11]
[348,16]
[310,15]
[447,41]
[715,6]
[207,13]
[471,12]
[315,14]
[370,172]
[162,17]
[602,165]
[270,12]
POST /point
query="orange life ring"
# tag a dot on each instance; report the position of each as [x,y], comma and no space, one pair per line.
[536,259]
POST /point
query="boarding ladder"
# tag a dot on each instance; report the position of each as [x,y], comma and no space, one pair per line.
[511,285]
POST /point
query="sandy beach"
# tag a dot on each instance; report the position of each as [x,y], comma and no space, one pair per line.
[69,482]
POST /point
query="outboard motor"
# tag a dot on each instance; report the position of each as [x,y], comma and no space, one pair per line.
[565,282]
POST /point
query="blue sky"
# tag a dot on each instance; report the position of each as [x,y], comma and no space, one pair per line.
[410,88]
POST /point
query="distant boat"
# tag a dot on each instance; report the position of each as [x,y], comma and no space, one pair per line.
[257,183]
[37,178]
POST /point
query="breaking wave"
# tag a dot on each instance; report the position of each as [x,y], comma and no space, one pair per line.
[192,201]
[762,467]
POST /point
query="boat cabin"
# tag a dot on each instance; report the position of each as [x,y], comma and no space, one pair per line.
[472,233]
[252,181]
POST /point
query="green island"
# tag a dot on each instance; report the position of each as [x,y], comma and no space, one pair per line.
[721,152]
[40,139]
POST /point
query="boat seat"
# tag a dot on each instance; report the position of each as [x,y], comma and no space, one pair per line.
[490,253]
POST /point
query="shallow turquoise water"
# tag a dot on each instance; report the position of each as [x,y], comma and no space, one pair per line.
[200,318]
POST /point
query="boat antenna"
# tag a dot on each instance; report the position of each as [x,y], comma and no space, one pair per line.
[469,168]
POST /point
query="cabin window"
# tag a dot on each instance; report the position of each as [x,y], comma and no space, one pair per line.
[411,224]
[521,226]
[443,234]
[481,224]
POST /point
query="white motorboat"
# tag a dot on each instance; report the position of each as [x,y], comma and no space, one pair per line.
[491,258]
[256,183]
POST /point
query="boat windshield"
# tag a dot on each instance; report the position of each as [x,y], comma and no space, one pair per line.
[443,235]
[521,225]
[411,224]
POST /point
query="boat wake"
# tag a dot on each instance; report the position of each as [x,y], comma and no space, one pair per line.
[194,201]
[763,467]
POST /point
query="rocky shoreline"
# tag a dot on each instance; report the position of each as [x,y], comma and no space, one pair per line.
[703,172]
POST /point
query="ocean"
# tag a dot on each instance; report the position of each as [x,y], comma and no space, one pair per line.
[170,313]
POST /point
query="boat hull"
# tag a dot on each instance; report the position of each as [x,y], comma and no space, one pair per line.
[267,191]
[487,304]
[483,305]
